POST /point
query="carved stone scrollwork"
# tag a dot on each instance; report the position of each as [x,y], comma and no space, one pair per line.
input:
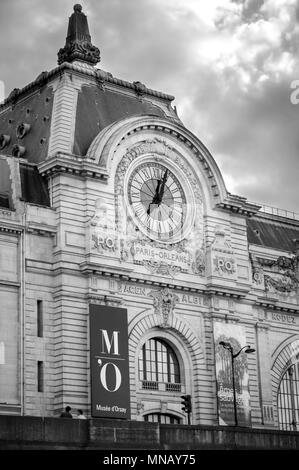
[124,252]
[157,147]
[187,255]
[140,407]
[258,276]
[224,263]
[103,229]
[13,96]
[220,243]
[284,278]
[199,262]
[161,268]
[164,304]
[75,50]
[257,270]
[284,284]
[140,88]
[289,265]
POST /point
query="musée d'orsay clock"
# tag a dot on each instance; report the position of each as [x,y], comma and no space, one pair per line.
[157,201]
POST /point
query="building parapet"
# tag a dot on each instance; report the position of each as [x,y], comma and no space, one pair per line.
[271,212]
[24,432]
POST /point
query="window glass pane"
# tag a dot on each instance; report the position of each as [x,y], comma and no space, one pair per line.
[288,399]
[158,362]
[40,325]
[40,376]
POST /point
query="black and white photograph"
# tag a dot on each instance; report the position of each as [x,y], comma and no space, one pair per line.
[149,230]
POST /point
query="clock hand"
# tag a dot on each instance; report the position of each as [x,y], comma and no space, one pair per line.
[155,199]
[161,192]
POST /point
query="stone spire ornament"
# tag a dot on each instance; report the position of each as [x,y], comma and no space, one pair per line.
[78,44]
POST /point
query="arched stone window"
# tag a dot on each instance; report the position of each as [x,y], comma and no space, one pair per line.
[288,399]
[158,366]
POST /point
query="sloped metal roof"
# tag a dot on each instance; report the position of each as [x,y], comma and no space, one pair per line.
[34,188]
[277,235]
[97,109]
[5,185]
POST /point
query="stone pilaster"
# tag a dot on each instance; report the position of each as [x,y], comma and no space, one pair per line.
[264,374]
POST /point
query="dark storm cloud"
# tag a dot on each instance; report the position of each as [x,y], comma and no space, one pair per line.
[229,64]
[251,9]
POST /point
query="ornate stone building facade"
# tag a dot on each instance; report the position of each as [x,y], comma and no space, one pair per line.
[107,199]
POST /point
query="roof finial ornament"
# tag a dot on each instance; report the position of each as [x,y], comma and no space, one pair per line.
[78,7]
[78,44]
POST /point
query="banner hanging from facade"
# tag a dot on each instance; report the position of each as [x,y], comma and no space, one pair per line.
[235,335]
[109,363]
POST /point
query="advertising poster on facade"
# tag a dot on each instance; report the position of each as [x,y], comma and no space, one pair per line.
[109,363]
[235,335]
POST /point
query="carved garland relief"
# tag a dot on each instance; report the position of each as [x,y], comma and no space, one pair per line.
[224,263]
[281,276]
[164,303]
[186,255]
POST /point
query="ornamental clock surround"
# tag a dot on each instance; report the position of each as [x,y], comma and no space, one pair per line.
[159,199]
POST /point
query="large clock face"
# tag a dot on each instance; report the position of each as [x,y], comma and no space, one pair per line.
[157,200]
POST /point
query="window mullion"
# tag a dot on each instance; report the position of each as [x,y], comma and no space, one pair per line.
[293,423]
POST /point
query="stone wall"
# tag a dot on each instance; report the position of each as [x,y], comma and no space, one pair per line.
[20,433]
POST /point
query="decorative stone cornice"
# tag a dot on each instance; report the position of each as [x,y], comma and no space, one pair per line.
[97,74]
[270,305]
[106,270]
[71,164]
[127,274]
[263,261]
[103,299]
[232,292]
[239,205]
[6,283]
[262,325]
[41,230]
[12,229]
[6,213]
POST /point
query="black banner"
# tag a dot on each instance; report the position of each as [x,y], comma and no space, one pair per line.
[109,363]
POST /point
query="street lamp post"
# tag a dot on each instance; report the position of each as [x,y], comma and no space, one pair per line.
[248,350]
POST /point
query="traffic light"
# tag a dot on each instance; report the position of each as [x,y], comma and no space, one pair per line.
[186,402]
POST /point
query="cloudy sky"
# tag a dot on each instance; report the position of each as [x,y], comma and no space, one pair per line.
[229,63]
